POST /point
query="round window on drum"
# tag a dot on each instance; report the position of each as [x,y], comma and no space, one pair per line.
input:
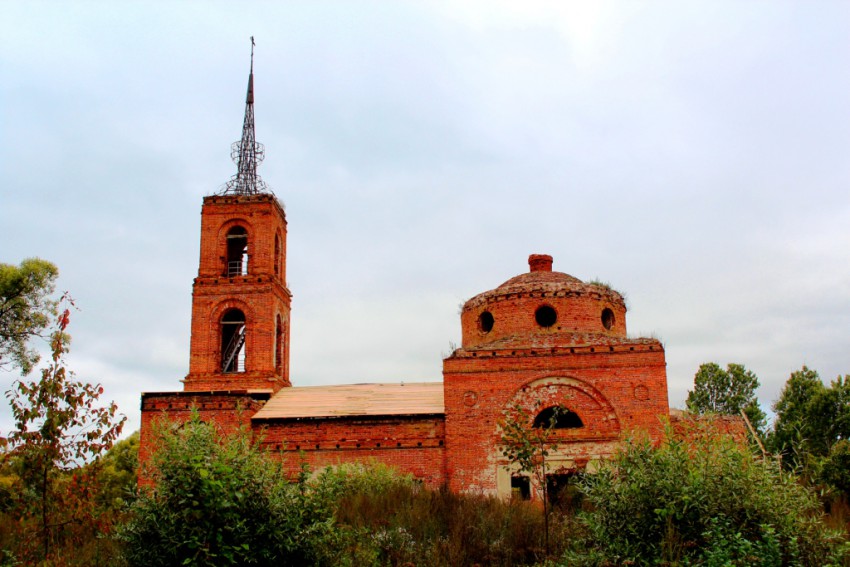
[486,322]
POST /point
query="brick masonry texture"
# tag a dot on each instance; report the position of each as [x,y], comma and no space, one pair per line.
[411,444]
[541,339]
[261,295]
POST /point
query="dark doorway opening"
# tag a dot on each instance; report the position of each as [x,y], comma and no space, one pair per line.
[562,490]
[520,488]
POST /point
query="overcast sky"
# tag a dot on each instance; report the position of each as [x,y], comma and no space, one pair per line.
[692,154]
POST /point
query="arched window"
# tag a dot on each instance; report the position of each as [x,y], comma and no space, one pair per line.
[277,254]
[237,252]
[233,341]
[557,417]
[278,344]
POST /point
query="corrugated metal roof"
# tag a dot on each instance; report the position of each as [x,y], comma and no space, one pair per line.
[355,399]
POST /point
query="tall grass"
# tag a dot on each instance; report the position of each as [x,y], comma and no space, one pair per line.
[411,525]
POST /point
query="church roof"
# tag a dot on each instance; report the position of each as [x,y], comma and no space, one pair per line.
[352,400]
[539,277]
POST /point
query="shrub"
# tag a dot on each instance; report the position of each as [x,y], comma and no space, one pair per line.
[219,500]
[705,501]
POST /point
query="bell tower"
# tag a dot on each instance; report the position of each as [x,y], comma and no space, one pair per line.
[240,302]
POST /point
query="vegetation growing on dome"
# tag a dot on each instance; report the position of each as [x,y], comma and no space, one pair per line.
[599,283]
[596,282]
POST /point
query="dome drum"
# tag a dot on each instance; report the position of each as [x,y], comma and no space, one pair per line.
[542,303]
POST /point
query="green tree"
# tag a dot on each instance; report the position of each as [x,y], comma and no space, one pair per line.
[812,429]
[25,310]
[60,426]
[829,415]
[835,469]
[726,392]
[527,447]
[219,500]
[793,429]
[117,472]
[705,500]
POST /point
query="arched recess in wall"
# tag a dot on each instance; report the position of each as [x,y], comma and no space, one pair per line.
[233,331]
[557,417]
[277,254]
[236,251]
[589,414]
[278,344]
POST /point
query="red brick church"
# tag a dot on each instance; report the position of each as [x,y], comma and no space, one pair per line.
[541,340]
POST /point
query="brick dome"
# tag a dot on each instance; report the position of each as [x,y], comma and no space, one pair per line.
[543,308]
[538,279]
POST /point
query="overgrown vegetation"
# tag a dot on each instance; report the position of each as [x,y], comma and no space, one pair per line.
[812,429]
[49,460]
[706,500]
[399,522]
[219,500]
[527,447]
[69,497]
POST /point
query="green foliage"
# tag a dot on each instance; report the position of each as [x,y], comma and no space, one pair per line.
[702,501]
[835,469]
[392,520]
[829,415]
[793,428]
[117,472]
[219,500]
[526,446]
[25,310]
[600,283]
[726,392]
[60,425]
[812,429]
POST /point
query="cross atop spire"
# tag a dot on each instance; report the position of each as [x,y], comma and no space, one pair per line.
[247,153]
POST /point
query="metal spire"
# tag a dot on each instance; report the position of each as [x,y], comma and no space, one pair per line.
[247,153]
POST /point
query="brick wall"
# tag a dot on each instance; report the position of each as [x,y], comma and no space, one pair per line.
[261,295]
[686,425]
[414,444]
[612,392]
[228,410]
[575,354]
[541,339]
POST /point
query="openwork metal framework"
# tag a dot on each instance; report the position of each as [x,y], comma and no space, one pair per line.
[247,153]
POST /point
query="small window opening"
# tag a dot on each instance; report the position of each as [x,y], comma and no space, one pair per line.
[562,490]
[520,488]
[276,254]
[237,252]
[278,344]
[607,318]
[545,316]
[486,321]
[233,341]
[557,417]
